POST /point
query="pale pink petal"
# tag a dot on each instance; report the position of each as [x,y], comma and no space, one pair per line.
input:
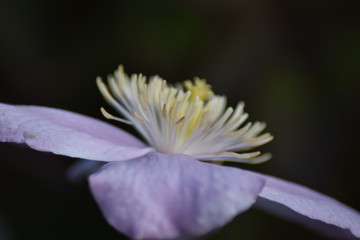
[321,212]
[164,196]
[80,170]
[67,133]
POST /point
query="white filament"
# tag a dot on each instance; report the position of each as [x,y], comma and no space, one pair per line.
[194,122]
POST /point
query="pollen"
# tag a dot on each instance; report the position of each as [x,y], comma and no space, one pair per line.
[188,119]
[198,88]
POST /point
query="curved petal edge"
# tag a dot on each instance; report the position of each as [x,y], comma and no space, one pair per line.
[294,201]
[171,196]
[67,133]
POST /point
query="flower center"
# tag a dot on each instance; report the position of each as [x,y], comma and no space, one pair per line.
[198,89]
[188,119]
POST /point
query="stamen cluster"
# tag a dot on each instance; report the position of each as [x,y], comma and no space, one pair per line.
[187,119]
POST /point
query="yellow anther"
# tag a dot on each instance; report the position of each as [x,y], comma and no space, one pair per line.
[198,88]
[219,152]
[164,110]
[178,122]
[135,114]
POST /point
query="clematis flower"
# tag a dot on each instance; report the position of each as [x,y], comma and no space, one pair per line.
[173,186]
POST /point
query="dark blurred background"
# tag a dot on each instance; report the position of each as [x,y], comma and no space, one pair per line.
[294,63]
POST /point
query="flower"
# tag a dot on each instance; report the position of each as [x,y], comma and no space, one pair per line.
[168,188]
